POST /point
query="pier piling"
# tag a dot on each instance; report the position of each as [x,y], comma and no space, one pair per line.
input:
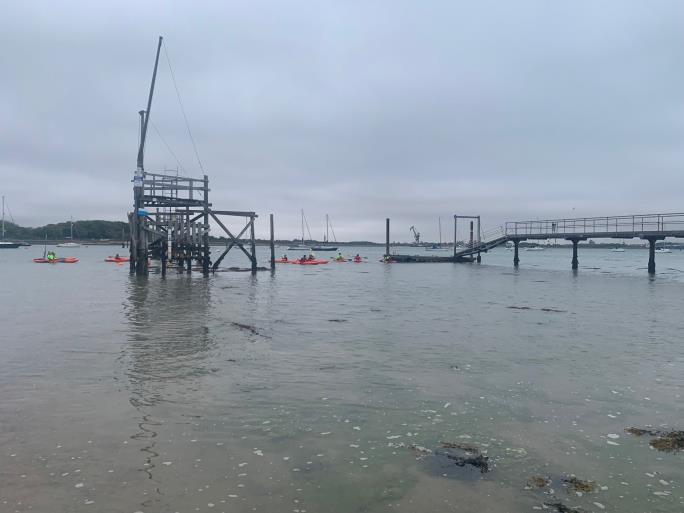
[387,237]
[651,256]
[516,258]
[272,243]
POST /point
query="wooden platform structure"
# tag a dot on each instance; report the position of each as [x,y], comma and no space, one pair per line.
[171,217]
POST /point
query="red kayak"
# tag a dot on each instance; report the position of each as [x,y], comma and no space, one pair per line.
[118,260]
[67,260]
[309,262]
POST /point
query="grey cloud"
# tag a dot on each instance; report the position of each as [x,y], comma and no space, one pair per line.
[362,110]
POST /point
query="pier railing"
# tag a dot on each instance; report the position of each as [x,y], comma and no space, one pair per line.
[648,223]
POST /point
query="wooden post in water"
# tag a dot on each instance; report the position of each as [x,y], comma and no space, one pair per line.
[252,245]
[575,261]
[455,234]
[479,240]
[163,255]
[387,237]
[272,244]
[205,232]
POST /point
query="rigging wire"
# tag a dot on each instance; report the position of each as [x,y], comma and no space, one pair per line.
[332,230]
[167,145]
[307,228]
[180,102]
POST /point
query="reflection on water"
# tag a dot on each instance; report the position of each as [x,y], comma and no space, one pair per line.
[168,348]
[337,388]
[169,340]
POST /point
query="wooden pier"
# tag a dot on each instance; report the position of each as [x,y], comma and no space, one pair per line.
[171,217]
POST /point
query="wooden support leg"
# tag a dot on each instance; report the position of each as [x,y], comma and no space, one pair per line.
[272,246]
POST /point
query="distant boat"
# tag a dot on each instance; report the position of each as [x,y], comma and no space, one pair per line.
[326,238]
[438,247]
[5,244]
[535,248]
[71,243]
[301,247]
[618,250]
[663,250]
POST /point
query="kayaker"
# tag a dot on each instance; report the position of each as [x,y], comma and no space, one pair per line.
[303,259]
[311,257]
[50,255]
[284,258]
[339,258]
[117,256]
[357,258]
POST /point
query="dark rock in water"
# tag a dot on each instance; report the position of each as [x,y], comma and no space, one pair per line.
[578,485]
[669,442]
[562,508]
[454,455]
[519,307]
[665,441]
[538,482]
[478,461]
[555,310]
[337,320]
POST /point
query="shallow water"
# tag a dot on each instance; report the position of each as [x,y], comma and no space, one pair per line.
[303,391]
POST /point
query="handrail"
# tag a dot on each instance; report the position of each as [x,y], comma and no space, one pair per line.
[612,224]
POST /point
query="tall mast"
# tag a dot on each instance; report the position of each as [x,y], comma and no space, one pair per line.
[3,217]
[327,238]
[302,227]
[143,135]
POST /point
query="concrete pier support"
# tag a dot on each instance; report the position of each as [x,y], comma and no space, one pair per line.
[651,256]
[575,261]
[516,258]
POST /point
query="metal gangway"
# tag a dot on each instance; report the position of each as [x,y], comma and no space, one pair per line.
[649,227]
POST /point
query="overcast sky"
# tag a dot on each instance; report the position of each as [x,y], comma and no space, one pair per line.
[359,109]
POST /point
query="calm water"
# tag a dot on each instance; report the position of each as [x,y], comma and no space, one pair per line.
[303,391]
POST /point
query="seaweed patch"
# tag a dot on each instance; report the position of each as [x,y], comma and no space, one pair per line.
[665,441]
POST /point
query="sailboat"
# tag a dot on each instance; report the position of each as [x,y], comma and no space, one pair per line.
[326,239]
[71,243]
[5,244]
[301,247]
[438,247]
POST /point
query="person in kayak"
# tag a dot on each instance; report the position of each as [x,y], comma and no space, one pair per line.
[311,257]
[117,256]
[357,258]
[284,258]
[303,259]
[51,256]
[339,257]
